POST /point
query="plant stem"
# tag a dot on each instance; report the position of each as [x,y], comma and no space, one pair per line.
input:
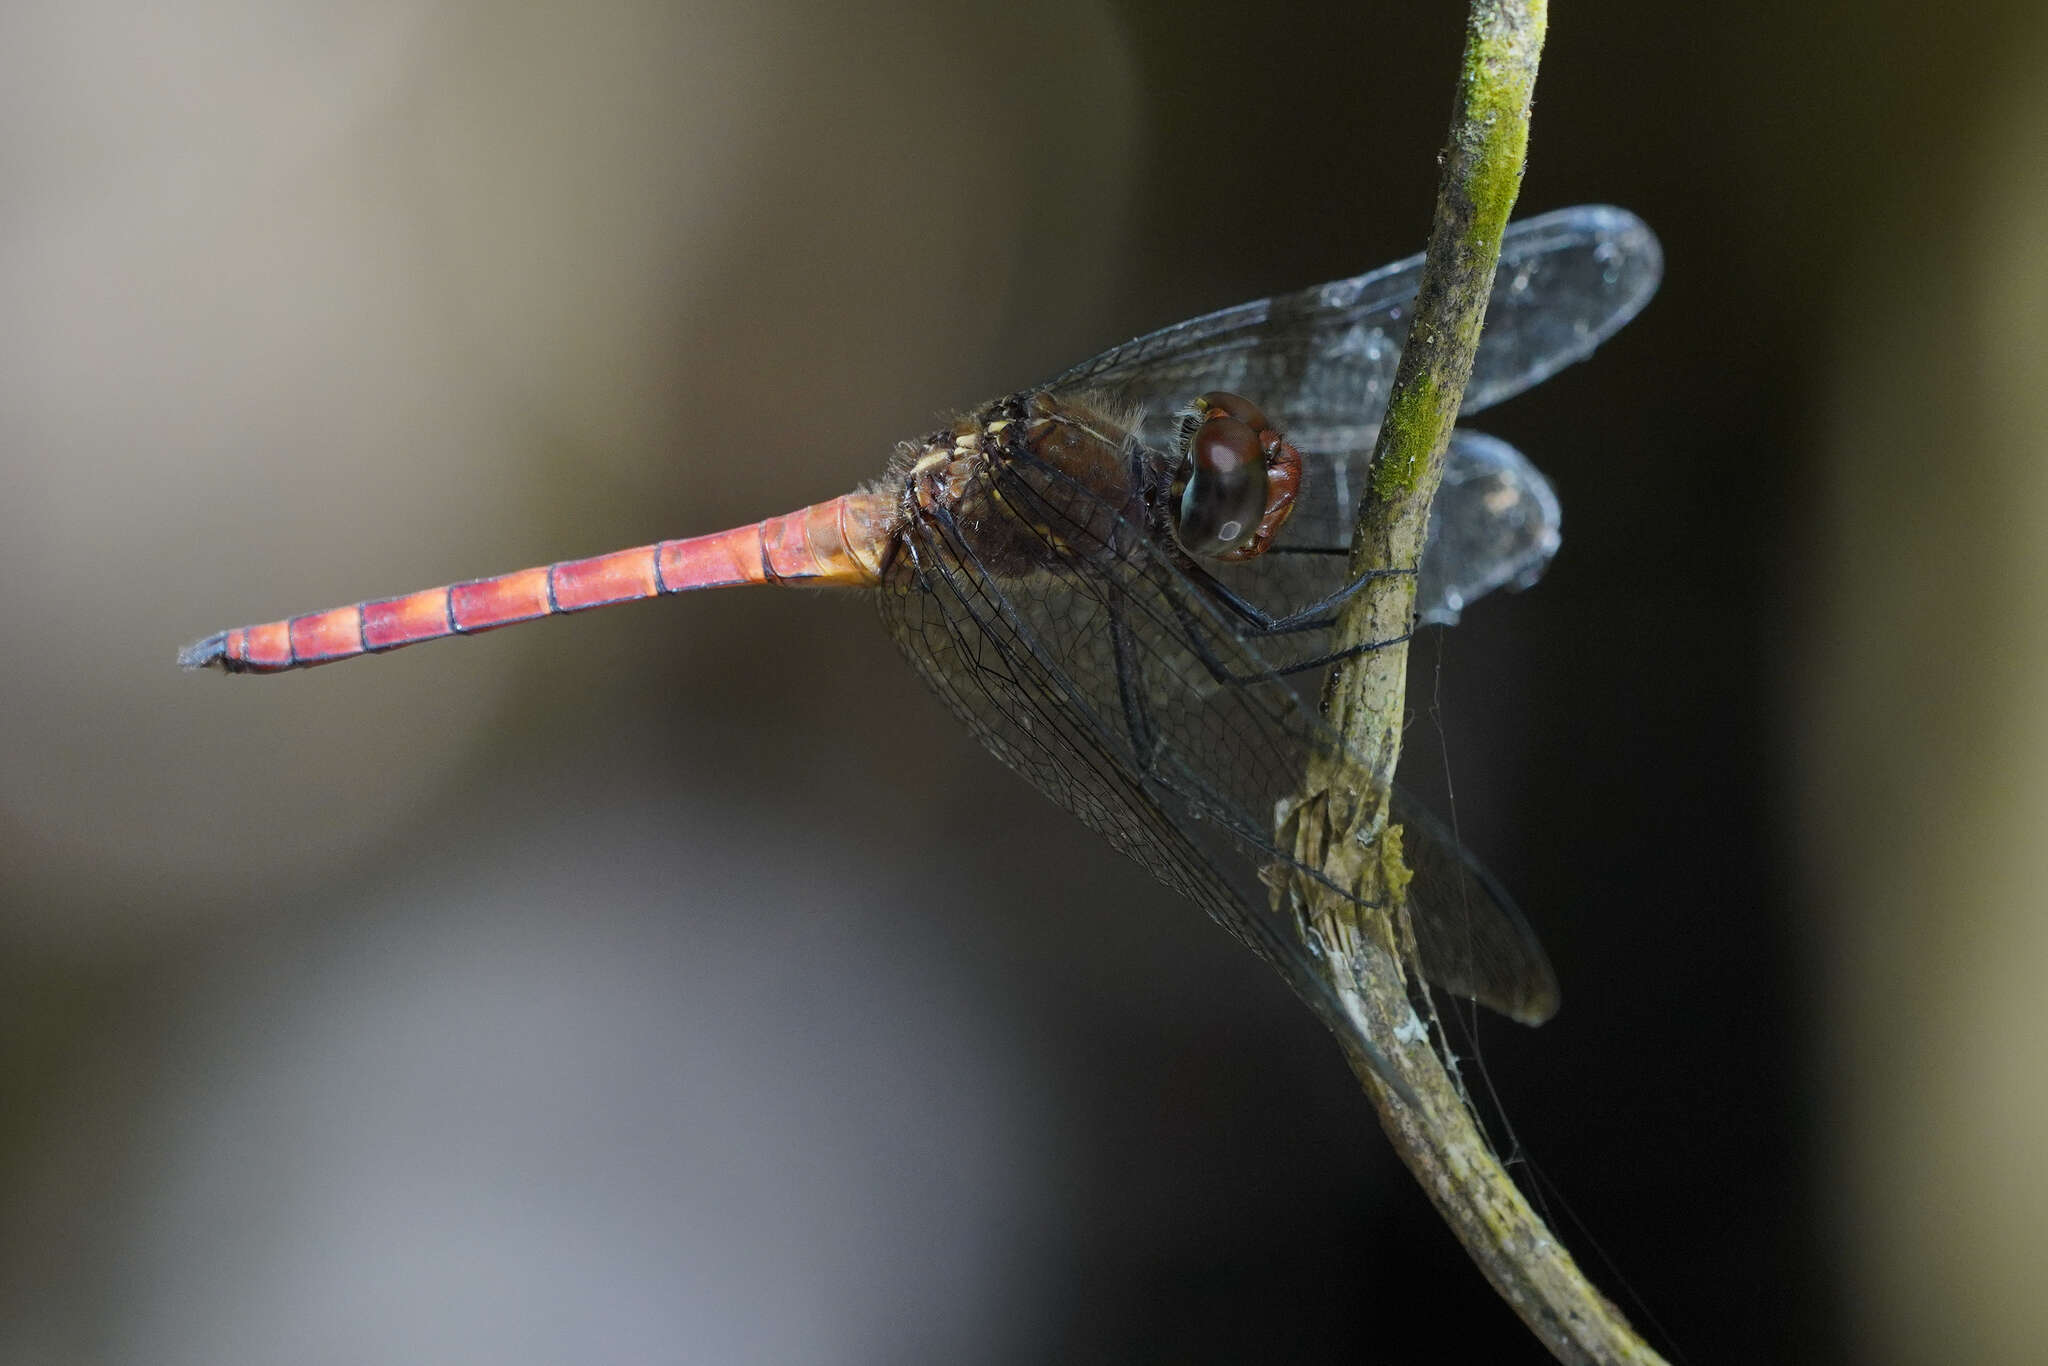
[1341,825]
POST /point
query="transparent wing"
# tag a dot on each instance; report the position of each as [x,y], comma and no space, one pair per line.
[1122,690]
[1473,940]
[1030,670]
[1321,360]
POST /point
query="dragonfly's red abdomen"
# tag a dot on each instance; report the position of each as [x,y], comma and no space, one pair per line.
[842,543]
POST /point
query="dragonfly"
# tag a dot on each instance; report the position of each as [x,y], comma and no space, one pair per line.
[1125,581]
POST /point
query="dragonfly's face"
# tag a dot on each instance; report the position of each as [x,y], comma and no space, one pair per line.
[1236,482]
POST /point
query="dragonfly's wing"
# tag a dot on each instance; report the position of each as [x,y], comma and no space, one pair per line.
[1321,361]
[1030,671]
[1123,691]
[1473,940]
[1032,665]
[1494,524]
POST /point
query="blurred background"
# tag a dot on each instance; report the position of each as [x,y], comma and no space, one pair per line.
[681,982]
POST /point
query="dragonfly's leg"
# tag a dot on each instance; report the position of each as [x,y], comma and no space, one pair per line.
[1197,640]
[1156,759]
[1303,666]
[1224,674]
[1319,616]
[1130,688]
[1316,616]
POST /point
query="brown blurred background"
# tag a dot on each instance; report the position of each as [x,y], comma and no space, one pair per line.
[681,983]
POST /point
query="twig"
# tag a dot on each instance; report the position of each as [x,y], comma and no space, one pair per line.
[1342,825]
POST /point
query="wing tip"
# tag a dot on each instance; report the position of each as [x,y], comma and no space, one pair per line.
[1538,1007]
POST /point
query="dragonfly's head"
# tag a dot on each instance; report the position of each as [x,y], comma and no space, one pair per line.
[1236,480]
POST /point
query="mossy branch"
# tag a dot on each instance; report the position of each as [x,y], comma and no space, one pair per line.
[1341,826]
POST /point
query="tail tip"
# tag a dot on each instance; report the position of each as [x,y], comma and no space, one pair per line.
[210,653]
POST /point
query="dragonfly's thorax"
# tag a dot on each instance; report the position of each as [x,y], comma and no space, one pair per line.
[1028,480]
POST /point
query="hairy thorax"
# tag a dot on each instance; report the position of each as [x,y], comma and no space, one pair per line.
[1025,482]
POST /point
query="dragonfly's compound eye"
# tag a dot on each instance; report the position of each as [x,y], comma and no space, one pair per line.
[1232,405]
[1237,481]
[1224,501]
